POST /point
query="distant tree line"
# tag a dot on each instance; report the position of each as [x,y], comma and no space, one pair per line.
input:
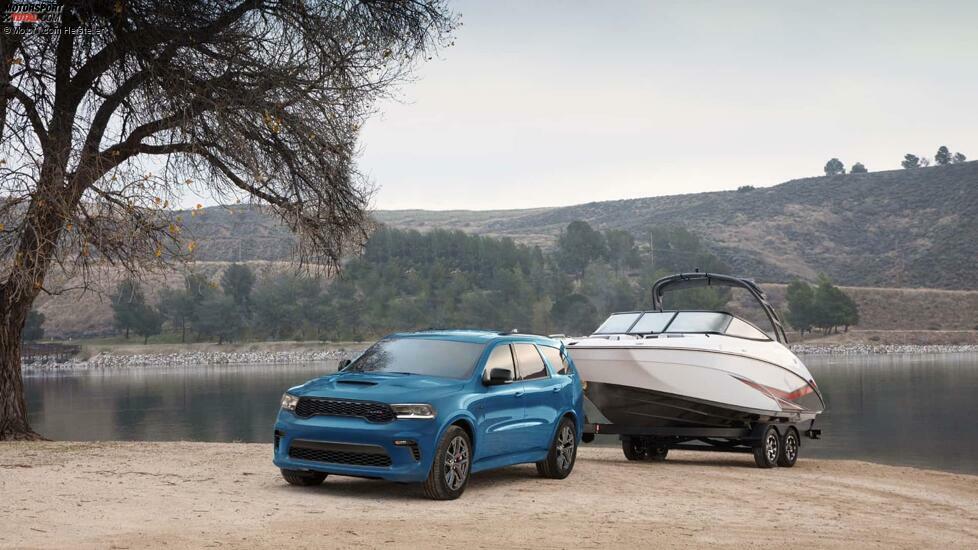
[408,280]
[824,307]
[835,167]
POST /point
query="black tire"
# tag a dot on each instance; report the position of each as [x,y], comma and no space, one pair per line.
[563,452]
[656,454]
[767,450]
[303,478]
[634,448]
[451,466]
[790,444]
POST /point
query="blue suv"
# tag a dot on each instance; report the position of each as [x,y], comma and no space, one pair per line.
[434,407]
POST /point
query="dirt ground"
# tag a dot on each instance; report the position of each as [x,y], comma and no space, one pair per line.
[176,495]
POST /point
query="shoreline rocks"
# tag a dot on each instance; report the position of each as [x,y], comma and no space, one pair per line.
[191,359]
[199,358]
[880,349]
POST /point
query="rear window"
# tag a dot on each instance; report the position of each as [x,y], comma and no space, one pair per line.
[557,360]
[419,356]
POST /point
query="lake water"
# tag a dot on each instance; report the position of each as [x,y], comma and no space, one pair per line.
[917,410]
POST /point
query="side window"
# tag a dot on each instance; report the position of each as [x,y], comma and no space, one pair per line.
[557,360]
[530,362]
[500,358]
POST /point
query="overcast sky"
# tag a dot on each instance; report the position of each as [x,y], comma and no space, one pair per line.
[555,103]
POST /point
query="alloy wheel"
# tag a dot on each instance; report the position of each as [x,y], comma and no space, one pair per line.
[456,463]
[790,447]
[565,448]
[771,446]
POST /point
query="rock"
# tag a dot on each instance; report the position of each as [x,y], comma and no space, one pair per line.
[107,360]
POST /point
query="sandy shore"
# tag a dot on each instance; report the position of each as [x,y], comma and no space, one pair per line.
[137,495]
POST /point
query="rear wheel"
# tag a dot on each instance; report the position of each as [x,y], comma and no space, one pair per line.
[767,450]
[450,468]
[563,452]
[789,448]
[303,478]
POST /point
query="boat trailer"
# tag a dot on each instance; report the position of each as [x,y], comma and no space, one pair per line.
[771,443]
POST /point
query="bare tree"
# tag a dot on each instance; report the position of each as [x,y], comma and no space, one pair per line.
[111,108]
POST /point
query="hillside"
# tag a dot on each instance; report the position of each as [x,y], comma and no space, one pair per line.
[900,228]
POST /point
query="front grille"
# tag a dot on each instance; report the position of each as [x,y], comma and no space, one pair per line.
[374,412]
[416,452]
[335,453]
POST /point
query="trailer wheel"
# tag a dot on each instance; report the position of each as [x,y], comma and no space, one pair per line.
[656,454]
[789,448]
[634,448]
[768,449]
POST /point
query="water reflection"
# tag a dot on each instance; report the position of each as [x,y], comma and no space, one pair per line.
[219,403]
[915,410]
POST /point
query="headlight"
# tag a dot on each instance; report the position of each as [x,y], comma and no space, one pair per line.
[289,401]
[414,410]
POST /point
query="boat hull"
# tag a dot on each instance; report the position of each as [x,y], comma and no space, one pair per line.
[658,385]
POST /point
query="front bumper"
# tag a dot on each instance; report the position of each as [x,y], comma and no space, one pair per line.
[409,463]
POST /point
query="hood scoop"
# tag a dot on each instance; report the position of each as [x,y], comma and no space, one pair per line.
[357,382]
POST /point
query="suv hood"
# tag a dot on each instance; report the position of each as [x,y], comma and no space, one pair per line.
[389,388]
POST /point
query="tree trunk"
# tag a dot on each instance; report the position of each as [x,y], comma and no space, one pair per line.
[145,339]
[14,424]
[183,332]
[127,333]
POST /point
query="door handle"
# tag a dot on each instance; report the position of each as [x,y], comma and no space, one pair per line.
[518,394]
[556,389]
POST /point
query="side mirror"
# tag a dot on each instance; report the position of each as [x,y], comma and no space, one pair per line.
[343,364]
[498,377]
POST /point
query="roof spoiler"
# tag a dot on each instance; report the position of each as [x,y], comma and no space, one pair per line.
[696,280]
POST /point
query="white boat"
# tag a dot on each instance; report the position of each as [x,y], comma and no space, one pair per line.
[696,375]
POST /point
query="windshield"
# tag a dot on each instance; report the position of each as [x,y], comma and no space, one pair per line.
[617,323]
[419,356]
[699,321]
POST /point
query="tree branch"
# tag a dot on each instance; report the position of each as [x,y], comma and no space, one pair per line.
[30,109]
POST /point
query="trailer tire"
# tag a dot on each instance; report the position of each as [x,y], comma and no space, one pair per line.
[768,449]
[790,444]
[634,448]
[656,454]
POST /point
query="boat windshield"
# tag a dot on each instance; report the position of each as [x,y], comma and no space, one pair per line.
[699,321]
[618,323]
[652,322]
[671,322]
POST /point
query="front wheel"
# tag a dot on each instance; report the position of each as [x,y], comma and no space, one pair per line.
[449,472]
[303,478]
[563,452]
[767,450]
